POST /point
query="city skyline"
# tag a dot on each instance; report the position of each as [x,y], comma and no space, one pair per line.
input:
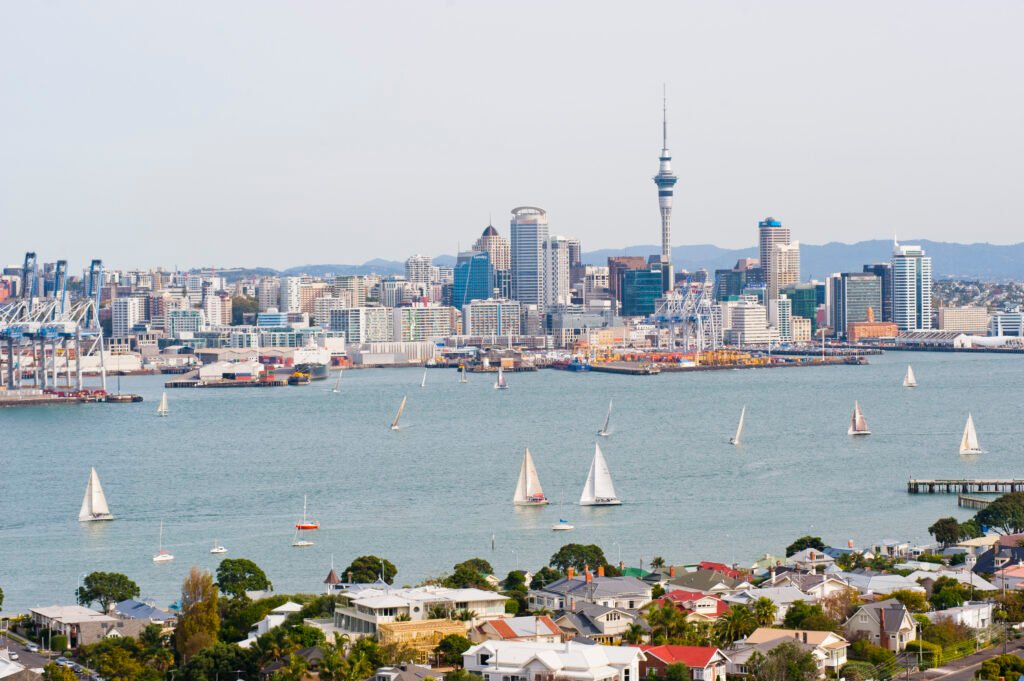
[229,146]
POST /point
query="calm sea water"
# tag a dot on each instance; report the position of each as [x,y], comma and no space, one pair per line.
[233,466]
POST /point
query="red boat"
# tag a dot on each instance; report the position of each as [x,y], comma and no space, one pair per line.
[305,523]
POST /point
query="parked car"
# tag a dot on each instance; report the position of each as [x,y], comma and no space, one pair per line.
[13,655]
[32,647]
[62,661]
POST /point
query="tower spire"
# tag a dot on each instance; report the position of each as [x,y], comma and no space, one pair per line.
[664,116]
[665,181]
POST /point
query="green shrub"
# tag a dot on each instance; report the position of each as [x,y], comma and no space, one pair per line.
[930,653]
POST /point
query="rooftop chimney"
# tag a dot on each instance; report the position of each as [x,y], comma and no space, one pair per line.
[671,570]
[590,576]
[600,570]
[622,566]
[570,572]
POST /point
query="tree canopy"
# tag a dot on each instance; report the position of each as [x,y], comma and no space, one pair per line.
[235,576]
[451,648]
[786,662]
[677,672]
[199,621]
[803,615]
[470,573]
[578,556]
[949,531]
[1005,514]
[106,588]
[366,569]
[806,542]
[543,577]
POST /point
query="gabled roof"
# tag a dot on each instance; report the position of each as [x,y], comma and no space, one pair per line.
[817,638]
[692,656]
[895,613]
[704,580]
[719,567]
[599,587]
[523,627]
[780,595]
[141,611]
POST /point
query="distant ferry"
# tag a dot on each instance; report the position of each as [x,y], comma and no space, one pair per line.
[304,373]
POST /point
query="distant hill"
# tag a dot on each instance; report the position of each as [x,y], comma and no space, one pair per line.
[989,262]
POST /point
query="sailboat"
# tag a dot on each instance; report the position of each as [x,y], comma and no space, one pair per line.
[462,375]
[161,555]
[735,439]
[528,490]
[162,409]
[398,416]
[969,442]
[563,525]
[605,432]
[423,382]
[337,383]
[217,548]
[910,381]
[306,523]
[94,504]
[858,424]
[599,489]
[500,384]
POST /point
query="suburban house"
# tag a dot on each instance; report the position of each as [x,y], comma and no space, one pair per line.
[815,586]
[973,614]
[596,622]
[827,648]
[422,636]
[782,596]
[311,656]
[706,663]
[885,623]
[274,619]
[144,612]
[540,629]
[870,582]
[707,581]
[1001,555]
[523,661]
[625,593]
[811,560]
[360,611]
[720,567]
[83,626]
[892,548]
[404,672]
[698,607]
[927,578]
[1009,577]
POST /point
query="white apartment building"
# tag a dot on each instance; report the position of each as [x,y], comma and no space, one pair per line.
[557,282]
[323,306]
[491,318]
[124,314]
[784,268]
[355,285]
[911,288]
[967,319]
[529,661]
[290,298]
[1007,323]
[185,321]
[395,291]
[419,270]
[268,293]
[362,324]
[780,315]
[362,609]
[422,322]
[748,324]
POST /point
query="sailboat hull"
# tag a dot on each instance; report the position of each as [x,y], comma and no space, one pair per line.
[545,502]
[857,433]
[602,502]
[97,518]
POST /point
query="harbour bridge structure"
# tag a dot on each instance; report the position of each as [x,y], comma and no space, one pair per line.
[40,331]
[693,321]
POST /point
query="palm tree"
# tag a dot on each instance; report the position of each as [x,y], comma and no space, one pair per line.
[667,622]
[733,625]
[765,611]
[657,562]
[465,615]
[634,634]
[295,670]
[356,668]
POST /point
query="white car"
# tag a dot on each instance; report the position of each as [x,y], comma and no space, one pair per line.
[32,648]
[12,655]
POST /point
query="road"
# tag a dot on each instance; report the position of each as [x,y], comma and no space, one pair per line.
[965,668]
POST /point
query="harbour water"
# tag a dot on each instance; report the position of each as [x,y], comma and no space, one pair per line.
[233,466]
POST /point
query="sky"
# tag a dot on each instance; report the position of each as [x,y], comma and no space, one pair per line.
[249,133]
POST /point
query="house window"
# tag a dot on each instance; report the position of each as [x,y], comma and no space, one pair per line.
[632,604]
[484,657]
[625,674]
[863,617]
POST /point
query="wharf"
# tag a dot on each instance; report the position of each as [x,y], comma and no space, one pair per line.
[964,486]
[628,369]
[225,383]
[967,501]
[493,369]
[39,398]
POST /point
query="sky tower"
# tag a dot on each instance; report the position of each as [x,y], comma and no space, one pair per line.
[665,181]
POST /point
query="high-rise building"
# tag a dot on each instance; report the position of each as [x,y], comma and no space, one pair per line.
[804,301]
[491,318]
[395,291]
[474,278]
[771,232]
[268,293]
[966,319]
[290,299]
[557,279]
[354,284]
[529,231]
[748,323]
[785,268]
[419,270]
[884,272]
[496,246]
[422,322]
[911,288]
[665,181]
[641,290]
[780,314]
[124,314]
[853,294]
[617,265]
[363,324]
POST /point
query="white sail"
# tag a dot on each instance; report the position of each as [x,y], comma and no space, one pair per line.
[162,409]
[94,504]
[337,384]
[501,380]
[604,432]
[969,442]
[858,424]
[462,376]
[398,416]
[423,382]
[910,381]
[599,489]
[528,489]
[739,428]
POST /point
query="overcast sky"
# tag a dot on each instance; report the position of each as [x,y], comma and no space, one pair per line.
[285,133]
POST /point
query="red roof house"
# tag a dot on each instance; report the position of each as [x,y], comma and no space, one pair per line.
[706,663]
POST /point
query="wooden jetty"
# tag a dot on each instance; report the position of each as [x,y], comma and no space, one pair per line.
[967,501]
[965,486]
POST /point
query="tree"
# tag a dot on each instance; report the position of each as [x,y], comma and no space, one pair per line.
[54,672]
[913,600]
[106,588]
[786,662]
[1005,514]
[765,611]
[734,625]
[634,634]
[946,531]
[666,622]
[235,576]
[478,564]
[677,672]
[806,542]
[466,575]
[515,581]
[221,660]
[657,562]
[578,556]
[451,647]
[799,612]
[840,605]
[241,305]
[199,620]
[366,569]
[544,576]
